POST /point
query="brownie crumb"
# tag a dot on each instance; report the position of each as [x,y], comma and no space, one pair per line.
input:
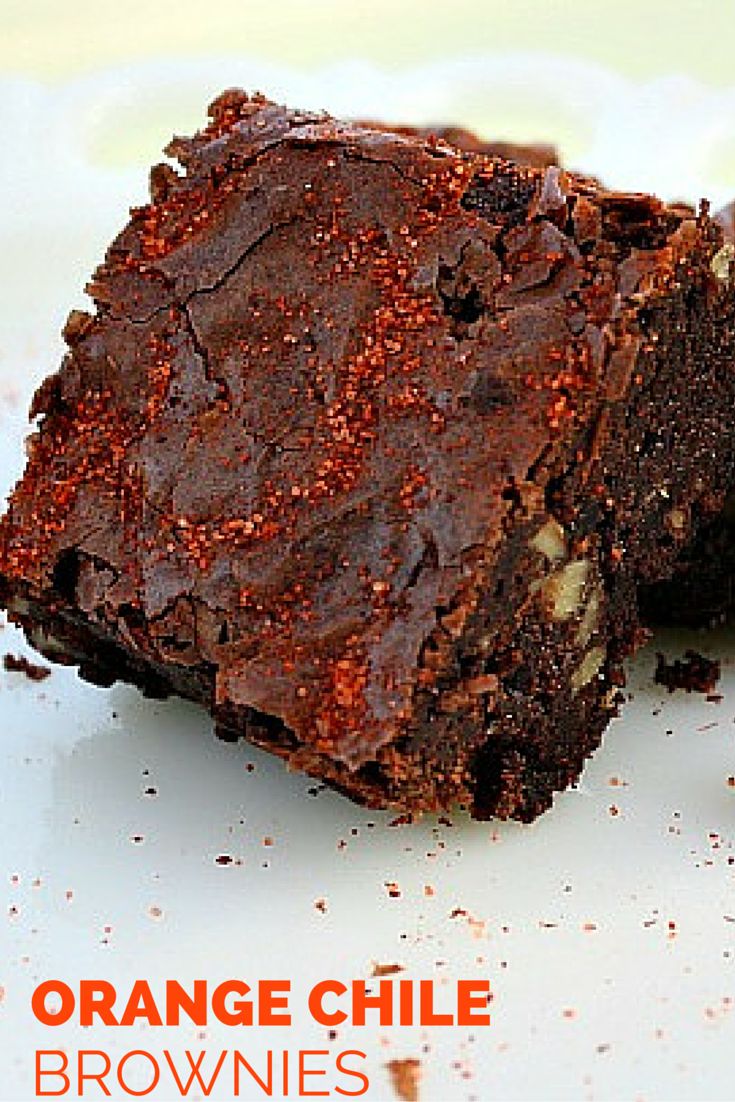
[18,663]
[386,969]
[405,1076]
[693,672]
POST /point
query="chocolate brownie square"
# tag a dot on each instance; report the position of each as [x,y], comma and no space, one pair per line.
[369,444]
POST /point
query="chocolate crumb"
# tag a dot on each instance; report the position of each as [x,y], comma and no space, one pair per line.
[18,663]
[405,1076]
[386,969]
[693,673]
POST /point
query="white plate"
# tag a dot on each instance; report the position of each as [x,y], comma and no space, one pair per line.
[606,929]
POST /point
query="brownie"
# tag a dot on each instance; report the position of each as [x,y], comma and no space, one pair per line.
[701,592]
[367,447]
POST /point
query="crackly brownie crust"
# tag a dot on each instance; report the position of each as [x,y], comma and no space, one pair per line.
[537,154]
[368,445]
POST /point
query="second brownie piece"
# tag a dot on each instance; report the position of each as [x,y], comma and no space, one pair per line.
[367,446]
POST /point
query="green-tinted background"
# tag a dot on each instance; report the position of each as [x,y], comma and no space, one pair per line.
[640,38]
